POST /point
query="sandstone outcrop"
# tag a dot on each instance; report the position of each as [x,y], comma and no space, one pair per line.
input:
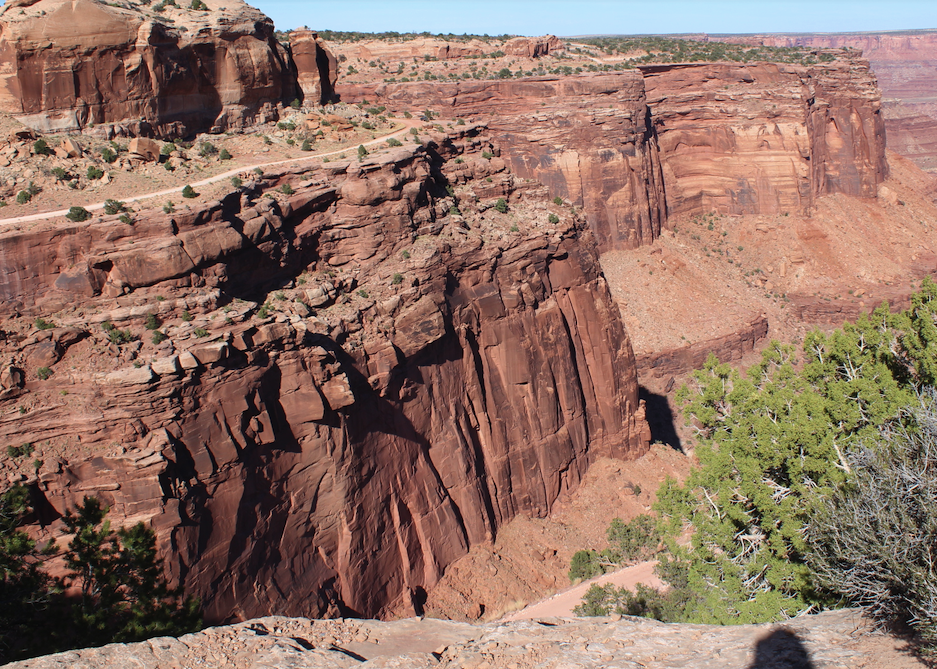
[766,138]
[532,47]
[587,138]
[830,640]
[407,49]
[316,67]
[634,147]
[419,375]
[903,62]
[139,68]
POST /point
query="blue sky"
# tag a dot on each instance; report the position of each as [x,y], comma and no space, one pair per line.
[580,17]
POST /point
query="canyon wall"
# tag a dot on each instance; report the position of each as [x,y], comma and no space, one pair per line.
[905,64]
[316,67]
[418,375]
[631,148]
[68,65]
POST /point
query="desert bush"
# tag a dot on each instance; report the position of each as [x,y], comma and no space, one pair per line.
[94,172]
[306,145]
[112,207]
[286,189]
[152,322]
[189,192]
[237,182]
[169,207]
[501,205]
[553,219]
[78,214]
[23,197]
[872,541]
[207,149]
[362,152]
[224,154]
[393,141]
[43,373]
[126,219]
[43,324]
[41,148]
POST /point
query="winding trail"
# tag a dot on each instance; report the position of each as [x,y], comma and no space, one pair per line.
[408,124]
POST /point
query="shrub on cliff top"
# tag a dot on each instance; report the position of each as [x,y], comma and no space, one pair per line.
[78,214]
[189,192]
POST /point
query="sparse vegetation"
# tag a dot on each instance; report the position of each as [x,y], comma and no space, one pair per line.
[224,154]
[43,373]
[393,141]
[159,337]
[189,192]
[112,207]
[43,324]
[501,206]
[236,182]
[286,189]
[78,214]
[94,173]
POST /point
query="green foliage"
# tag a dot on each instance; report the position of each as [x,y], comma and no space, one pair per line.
[198,5]
[78,214]
[189,192]
[553,219]
[23,197]
[43,373]
[296,104]
[286,189]
[604,600]
[362,152]
[167,148]
[306,145]
[224,154]
[41,148]
[117,336]
[557,200]
[264,311]
[169,207]
[201,332]
[872,541]
[108,155]
[59,173]
[501,206]
[187,317]
[236,182]
[159,337]
[393,141]
[152,322]
[112,207]
[772,443]
[43,324]
[363,293]
[126,219]
[207,149]
[94,173]
[20,451]
[397,279]
[487,155]
[630,542]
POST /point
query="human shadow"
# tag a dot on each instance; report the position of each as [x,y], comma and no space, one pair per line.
[782,649]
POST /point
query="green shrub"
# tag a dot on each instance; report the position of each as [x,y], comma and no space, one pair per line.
[487,155]
[189,192]
[169,207]
[167,148]
[460,121]
[108,155]
[363,293]
[43,373]
[224,154]
[306,146]
[264,311]
[159,337]
[362,152]
[152,322]
[119,337]
[94,172]
[397,279]
[501,206]
[407,114]
[286,189]
[553,219]
[201,332]
[557,200]
[43,324]
[187,317]
[236,182]
[78,214]
[112,207]
[21,451]
[23,197]
[59,173]
[41,148]
[207,149]
[393,141]
[126,219]
[296,104]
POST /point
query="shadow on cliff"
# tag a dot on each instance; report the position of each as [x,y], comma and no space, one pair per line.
[660,418]
[782,649]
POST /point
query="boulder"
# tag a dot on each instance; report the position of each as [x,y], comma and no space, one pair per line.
[146,148]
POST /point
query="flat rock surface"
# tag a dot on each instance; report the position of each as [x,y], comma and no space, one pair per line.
[828,640]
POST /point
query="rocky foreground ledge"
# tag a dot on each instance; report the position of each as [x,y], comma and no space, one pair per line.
[828,640]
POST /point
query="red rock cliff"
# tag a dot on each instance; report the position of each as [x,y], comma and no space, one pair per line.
[316,67]
[765,138]
[631,148]
[65,65]
[336,457]
[587,138]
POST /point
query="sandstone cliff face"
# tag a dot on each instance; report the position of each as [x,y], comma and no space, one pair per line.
[403,50]
[587,138]
[765,138]
[335,461]
[67,65]
[905,64]
[634,147]
[316,67]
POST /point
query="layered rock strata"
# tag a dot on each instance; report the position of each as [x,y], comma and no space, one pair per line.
[634,147]
[141,68]
[588,138]
[766,138]
[421,374]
